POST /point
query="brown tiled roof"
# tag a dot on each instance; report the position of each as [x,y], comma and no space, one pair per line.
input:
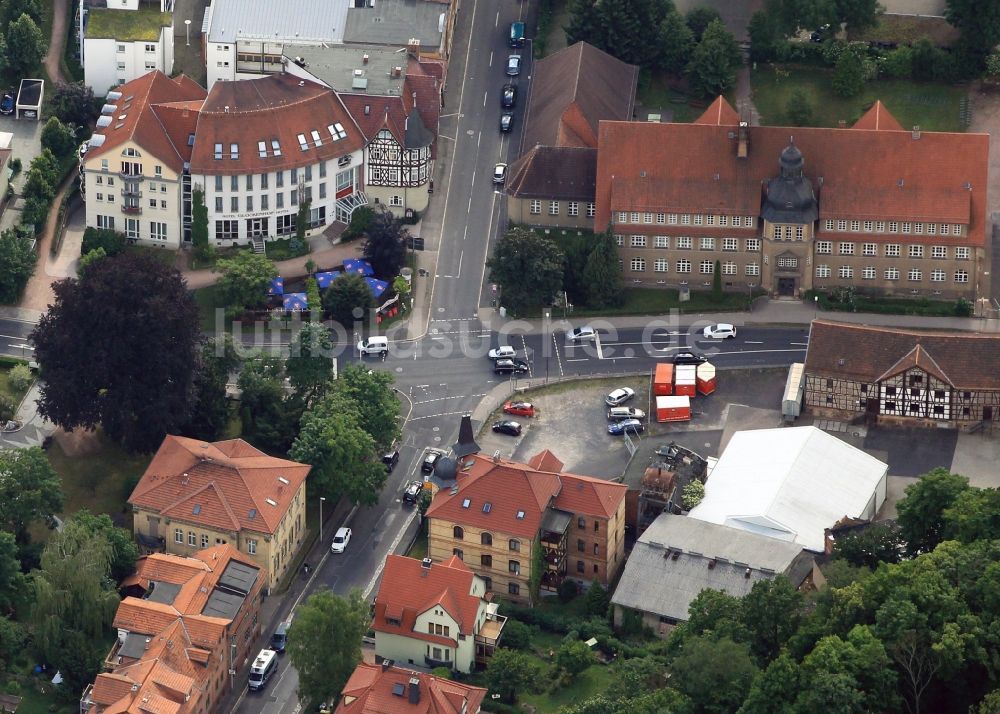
[574,89]
[369,690]
[866,174]
[408,589]
[878,118]
[276,107]
[382,113]
[554,172]
[966,360]
[199,482]
[151,113]
[719,113]
[510,487]
[545,460]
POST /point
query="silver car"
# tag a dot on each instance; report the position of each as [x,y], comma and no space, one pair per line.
[619,396]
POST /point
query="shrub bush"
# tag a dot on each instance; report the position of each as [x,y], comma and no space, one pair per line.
[20,377]
[7,408]
[94,238]
[516,635]
[361,219]
[568,590]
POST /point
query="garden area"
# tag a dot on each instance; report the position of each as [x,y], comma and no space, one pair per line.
[850,300]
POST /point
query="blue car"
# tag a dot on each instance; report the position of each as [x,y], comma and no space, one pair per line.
[633,426]
[7,103]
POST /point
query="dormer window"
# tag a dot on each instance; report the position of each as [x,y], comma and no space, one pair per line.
[302,142]
[336,131]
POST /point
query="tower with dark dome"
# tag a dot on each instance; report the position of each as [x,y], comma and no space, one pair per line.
[790,198]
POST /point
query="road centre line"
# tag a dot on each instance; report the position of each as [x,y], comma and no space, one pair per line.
[436,416]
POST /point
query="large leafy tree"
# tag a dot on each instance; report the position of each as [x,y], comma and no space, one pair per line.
[269,416]
[17,264]
[310,362]
[210,415]
[385,247]
[920,513]
[715,674]
[528,267]
[675,43]
[12,581]
[72,103]
[771,612]
[199,225]
[699,18]
[880,543]
[245,280]
[347,299]
[584,23]
[58,138]
[509,673]
[324,642]
[123,549]
[118,349]
[974,515]
[978,22]
[375,402]
[605,287]
[713,65]
[343,455]
[30,490]
[848,74]
[25,46]
[574,657]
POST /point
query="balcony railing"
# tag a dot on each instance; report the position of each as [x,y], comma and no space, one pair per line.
[132,209]
[131,192]
[431,662]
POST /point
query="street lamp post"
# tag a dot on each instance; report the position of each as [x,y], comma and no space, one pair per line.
[321,499]
[187,30]
[815,306]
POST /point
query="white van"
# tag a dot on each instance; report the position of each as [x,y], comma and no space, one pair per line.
[374,346]
[262,669]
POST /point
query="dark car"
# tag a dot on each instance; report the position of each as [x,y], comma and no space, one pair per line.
[390,460]
[412,491]
[510,366]
[430,461]
[633,426]
[506,122]
[7,103]
[508,427]
[688,358]
[508,97]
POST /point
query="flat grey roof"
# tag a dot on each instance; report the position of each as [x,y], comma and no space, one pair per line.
[238,577]
[162,592]
[336,66]
[394,22]
[222,604]
[306,21]
[133,646]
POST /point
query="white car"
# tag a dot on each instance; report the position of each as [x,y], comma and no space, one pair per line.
[513,65]
[581,334]
[722,331]
[502,352]
[619,396]
[340,540]
[499,173]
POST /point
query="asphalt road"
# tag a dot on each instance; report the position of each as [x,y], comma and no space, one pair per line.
[14,338]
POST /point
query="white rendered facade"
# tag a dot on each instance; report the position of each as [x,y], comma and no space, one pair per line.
[109,63]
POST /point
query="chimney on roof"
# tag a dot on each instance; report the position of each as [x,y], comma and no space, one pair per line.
[413,47]
[227,109]
[916,132]
[747,573]
[743,140]
[364,58]
[711,563]
[396,72]
[466,443]
[414,690]
[426,563]
[841,123]
[302,83]
[368,109]
[386,664]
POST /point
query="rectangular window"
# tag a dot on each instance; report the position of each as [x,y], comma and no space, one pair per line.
[234,183]
[672,219]
[204,540]
[846,271]
[880,226]
[937,276]
[622,217]
[706,243]
[869,249]
[262,149]
[737,221]
[591,210]
[157,230]
[661,218]
[685,219]
[178,535]
[322,169]
[724,220]
[192,538]
[684,242]
[249,204]
[892,250]
[777,232]
[956,229]
[961,253]
[868,273]
[553,208]
[799,232]
[572,208]
[893,227]
[322,190]
[869,226]
[931,229]
[788,262]
[218,183]
[847,249]
[513,589]
[841,225]
[535,207]
[251,546]
[752,269]
[660,265]
[753,245]
[729,268]
[249,182]
[295,197]
[683,266]
[730,244]
[309,172]
[707,267]
[822,271]
[698,219]
[891,274]
[914,276]
[619,240]
[638,265]
[747,221]
[218,204]
[234,152]
[218,152]
[662,241]
[855,226]
[633,217]
[918,228]
[234,204]
[916,251]
[961,276]
[824,247]
[514,566]
[263,203]
[638,241]
[939,251]
[647,217]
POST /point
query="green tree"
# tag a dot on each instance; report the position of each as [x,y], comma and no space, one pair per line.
[313,296]
[385,248]
[849,75]
[343,455]
[699,18]
[324,642]
[630,30]
[107,240]
[509,673]
[712,614]
[269,419]
[713,65]
[516,635]
[12,640]
[245,280]
[597,600]
[715,675]
[400,286]
[88,259]
[101,370]
[375,402]
[361,219]
[528,267]
[30,490]
[58,138]
[310,363]
[974,515]
[17,265]
[879,543]
[25,47]
[584,23]
[920,513]
[692,494]
[123,549]
[347,299]
[10,10]
[301,226]
[20,377]
[978,23]
[72,103]
[8,409]
[12,581]
[675,42]
[771,612]
[858,15]
[537,568]
[763,35]
[926,60]
[574,657]
[798,109]
[634,677]
[210,414]
[199,226]
[898,64]
[603,280]
[775,688]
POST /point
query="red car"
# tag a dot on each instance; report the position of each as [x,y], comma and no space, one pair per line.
[524,409]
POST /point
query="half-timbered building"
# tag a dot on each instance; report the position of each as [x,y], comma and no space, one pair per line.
[903,377]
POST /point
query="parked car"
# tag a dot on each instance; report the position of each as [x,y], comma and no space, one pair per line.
[689,358]
[7,103]
[506,122]
[411,491]
[390,460]
[513,65]
[581,334]
[510,366]
[622,413]
[340,540]
[430,462]
[508,96]
[633,426]
[525,409]
[619,396]
[502,352]
[722,331]
[508,427]
[499,173]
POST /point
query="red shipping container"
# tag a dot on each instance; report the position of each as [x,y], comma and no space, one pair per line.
[663,381]
[706,378]
[673,409]
[685,380]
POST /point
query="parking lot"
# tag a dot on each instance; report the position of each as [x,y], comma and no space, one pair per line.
[26,145]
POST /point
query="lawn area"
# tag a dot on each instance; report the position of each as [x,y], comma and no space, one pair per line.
[167,257]
[588,683]
[99,481]
[932,107]
[207,300]
[654,95]
[141,25]
[419,548]
[281,249]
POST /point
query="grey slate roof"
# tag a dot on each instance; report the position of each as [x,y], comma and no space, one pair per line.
[655,581]
[554,172]
[395,22]
[309,21]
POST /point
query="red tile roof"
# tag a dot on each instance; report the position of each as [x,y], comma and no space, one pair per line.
[151,113]
[883,174]
[369,690]
[227,485]
[408,589]
[510,488]
[878,118]
[276,107]
[719,113]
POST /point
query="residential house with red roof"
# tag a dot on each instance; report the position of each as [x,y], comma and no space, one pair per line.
[184,629]
[499,510]
[195,494]
[380,688]
[904,377]
[134,172]
[435,615]
[874,207]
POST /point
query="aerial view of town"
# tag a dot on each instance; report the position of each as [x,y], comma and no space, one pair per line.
[515,356]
